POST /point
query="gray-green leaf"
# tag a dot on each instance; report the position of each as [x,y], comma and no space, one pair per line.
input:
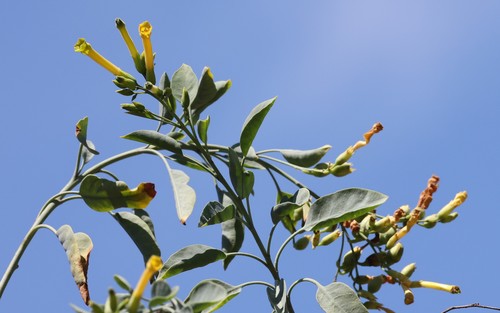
[184,78]
[342,205]
[252,124]
[339,298]
[305,158]
[156,139]
[205,295]
[188,258]
[215,213]
[185,196]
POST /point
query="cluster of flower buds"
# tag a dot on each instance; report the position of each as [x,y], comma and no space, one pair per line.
[382,235]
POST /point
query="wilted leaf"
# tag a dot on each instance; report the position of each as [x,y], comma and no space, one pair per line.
[341,206]
[185,196]
[215,213]
[81,134]
[305,158]
[339,298]
[140,232]
[78,247]
[188,258]
[156,139]
[252,124]
[104,195]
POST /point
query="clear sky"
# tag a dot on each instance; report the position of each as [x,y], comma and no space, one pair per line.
[429,71]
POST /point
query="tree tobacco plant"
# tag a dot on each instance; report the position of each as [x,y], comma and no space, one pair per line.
[348,217]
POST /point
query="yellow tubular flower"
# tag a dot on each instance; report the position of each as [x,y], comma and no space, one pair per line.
[145,30]
[436,286]
[131,46]
[85,48]
[152,266]
[453,204]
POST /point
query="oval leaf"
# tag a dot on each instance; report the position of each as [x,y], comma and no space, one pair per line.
[185,196]
[205,295]
[231,292]
[156,139]
[78,247]
[305,158]
[215,213]
[252,124]
[140,232]
[104,195]
[339,298]
[206,90]
[188,258]
[184,78]
[341,206]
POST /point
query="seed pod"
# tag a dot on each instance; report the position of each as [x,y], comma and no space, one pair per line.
[301,244]
[350,260]
[341,170]
[409,298]
[344,156]
[331,237]
[409,269]
[375,284]
[383,224]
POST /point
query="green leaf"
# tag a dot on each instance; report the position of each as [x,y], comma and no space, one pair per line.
[242,180]
[233,230]
[184,195]
[187,161]
[231,292]
[339,298]
[154,138]
[78,247]
[341,206]
[277,296]
[305,158]
[189,258]
[81,134]
[205,295]
[104,195]
[184,78]
[140,232]
[252,124]
[161,293]
[286,207]
[206,90]
[203,129]
[215,213]
[111,304]
[123,283]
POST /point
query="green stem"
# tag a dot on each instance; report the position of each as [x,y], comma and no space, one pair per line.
[280,250]
[257,282]
[249,255]
[52,205]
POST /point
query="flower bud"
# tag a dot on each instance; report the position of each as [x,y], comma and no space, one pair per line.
[301,244]
[341,170]
[395,253]
[409,269]
[125,82]
[383,224]
[384,237]
[328,239]
[350,260]
[375,284]
[448,218]
[139,65]
[447,209]
[344,156]
[154,89]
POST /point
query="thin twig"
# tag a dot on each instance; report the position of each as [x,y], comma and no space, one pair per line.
[473,305]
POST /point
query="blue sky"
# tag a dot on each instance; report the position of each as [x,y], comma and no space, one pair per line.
[427,70]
